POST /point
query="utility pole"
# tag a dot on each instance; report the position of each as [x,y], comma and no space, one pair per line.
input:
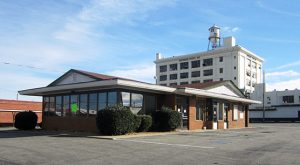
[264,88]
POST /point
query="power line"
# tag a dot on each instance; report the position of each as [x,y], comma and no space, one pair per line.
[30,67]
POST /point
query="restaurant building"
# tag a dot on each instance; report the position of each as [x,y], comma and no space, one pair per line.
[71,102]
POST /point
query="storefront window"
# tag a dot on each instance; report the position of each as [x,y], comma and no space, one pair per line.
[74,104]
[221,111]
[52,105]
[46,104]
[66,105]
[112,98]
[58,105]
[93,104]
[235,112]
[136,102]
[83,104]
[125,98]
[102,99]
[199,110]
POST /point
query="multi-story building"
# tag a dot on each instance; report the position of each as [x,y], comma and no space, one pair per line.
[279,105]
[226,62]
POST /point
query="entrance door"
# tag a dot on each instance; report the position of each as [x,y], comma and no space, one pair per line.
[226,109]
[182,107]
[215,115]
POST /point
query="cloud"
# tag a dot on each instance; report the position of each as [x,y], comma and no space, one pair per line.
[142,72]
[282,85]
[289,73]
[228,29]
[277,11]
[297,63]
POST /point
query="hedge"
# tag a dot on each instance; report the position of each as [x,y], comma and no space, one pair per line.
[146,123]
[116,120]
[26,120]
[166,119]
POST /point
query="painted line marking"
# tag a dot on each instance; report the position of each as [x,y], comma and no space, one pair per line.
[167,144]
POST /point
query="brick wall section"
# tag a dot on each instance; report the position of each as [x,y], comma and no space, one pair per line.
[72,123]
[7,118]
[192,122]
[239,123]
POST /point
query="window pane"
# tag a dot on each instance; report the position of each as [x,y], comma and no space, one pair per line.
[221,111]
[66,106]
[199,110]
[208,62]
[208,72]
[125,98]
[93,103]
[136,103]
[83,104]
[102,100]
[173,76]
[163,68]
[74,104]
[196,64]
[46,104]
[173,67]
[52,105]
[112,98]
[58,105]
[163,78]
[196,74]
[184,75]
[184,65]
[184,83]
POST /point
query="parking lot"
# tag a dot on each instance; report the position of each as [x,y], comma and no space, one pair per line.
[262,144]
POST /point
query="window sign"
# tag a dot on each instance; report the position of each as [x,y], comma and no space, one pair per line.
[74,104]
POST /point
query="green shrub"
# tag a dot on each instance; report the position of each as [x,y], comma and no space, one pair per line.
[137,123]
[146,123]
[26,120]
[166,119]
[115,120]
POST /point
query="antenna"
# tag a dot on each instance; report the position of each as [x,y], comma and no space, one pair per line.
[214,37]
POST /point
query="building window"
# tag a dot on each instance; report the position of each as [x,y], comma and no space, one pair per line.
[195,82]
[234,78]
[208,72]
[111,98]
[221,79]
[52,105]
[46,104]
[102,101]
[184,75]
[163,68]
[66,106]
[196,64]
[221,111]
[254,75]
[268,100]
[220,59]
[254,65]
[173,67]
[249,62]
[288,99]
[199,110]
[163,78]
[207,80]
[83,105]
[125,99]
[196,74]
[248,82]
[184,65]
[235,112]
[173,76]
[221,70]
[208,62]
[136,103]
[93,103]
[184,83]
[74,104]
[248,73]
[58,105]
[253,83]
[173,84]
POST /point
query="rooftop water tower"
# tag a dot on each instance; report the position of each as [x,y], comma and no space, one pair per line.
[214,37]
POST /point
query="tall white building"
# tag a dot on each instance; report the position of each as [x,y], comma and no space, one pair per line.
[279,105]
[226,62]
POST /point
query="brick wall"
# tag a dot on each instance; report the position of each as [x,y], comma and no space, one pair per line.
[72,123]
[7,118]
[192,122]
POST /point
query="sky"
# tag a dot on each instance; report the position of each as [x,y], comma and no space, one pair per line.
[41,40]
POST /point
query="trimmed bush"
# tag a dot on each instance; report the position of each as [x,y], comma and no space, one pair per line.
[115,120]
[146,123]
[26,120]
[166,119]
[137,123]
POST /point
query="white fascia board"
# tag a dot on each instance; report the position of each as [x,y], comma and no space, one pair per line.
[251,53]
[200,92]
[39,91]
[145,86]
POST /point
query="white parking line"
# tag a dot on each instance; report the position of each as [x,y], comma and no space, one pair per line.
[168,144]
